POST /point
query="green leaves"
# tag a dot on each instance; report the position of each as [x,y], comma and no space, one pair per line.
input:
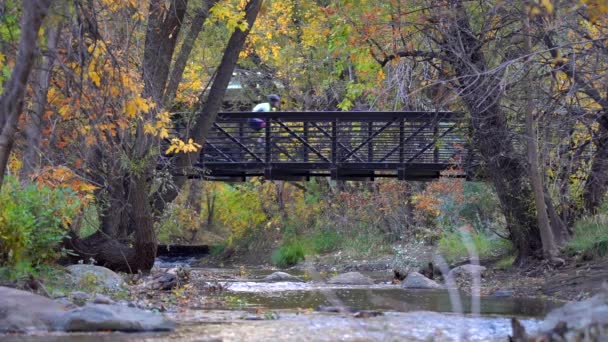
[33,221]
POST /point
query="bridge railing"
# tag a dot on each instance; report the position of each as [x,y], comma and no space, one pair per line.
[337,144]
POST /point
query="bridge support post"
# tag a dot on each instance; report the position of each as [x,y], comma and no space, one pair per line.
[334,173]
[401,173]
[401,168]
[267,150]
[334,149]
[435,138]
[305,156]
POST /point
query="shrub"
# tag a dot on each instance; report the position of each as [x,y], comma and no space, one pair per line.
[217,250]
[452,245]
[289,253]
[325,241]
[505,263]
[590,236]
[33,221]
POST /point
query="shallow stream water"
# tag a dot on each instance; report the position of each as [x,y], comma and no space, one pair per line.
[284,311]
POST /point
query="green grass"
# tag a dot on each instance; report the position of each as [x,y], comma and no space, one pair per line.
[324,241]
[216,250]
[289,253]
[452,246]
[590,236]
[505,263]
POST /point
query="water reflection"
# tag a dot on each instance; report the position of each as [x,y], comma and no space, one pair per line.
[391,299]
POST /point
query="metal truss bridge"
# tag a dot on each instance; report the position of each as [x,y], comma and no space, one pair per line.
[342,145]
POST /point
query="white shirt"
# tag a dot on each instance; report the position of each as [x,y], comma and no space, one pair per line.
[262,107]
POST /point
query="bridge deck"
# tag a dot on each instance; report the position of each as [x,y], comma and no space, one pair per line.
[341,145]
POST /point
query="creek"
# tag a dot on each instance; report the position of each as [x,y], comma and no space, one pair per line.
[255,310]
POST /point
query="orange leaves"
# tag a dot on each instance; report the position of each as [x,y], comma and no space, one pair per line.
[63,177]
[428,203]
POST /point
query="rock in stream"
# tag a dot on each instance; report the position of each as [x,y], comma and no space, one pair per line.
[351,278]
[25,312]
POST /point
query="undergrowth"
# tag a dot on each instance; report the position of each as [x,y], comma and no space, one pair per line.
[453,246]
[590,236]
[289,253]
[34,219]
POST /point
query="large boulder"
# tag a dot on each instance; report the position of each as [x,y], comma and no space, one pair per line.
[467,270]
[415,280]
[281,276]
[577,321]
[112,317]
[100,276]
[160,282]
[578,315]
[22,311]
[462,276]
[351,278]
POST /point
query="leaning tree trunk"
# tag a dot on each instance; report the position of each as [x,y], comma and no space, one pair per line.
[481,93]
[136,215]
[182,59]
[211,105]
[11,101]
[536,178]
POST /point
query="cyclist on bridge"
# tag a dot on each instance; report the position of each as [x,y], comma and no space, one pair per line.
[274,102]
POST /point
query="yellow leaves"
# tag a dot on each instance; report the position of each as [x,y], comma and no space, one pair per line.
[116,5]
[233,16]
[64,110]
[193,82]
[137,104]
[381,75]
[178,146]
[161,127]
[95,77]
[559,60]
[596,9]
[14,163]
[547,5]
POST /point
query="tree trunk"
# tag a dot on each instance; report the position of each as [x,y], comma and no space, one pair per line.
[536,178]
[211,196]
[597,184]
[210,106]
[482,94]
[546,233]
[180,63]
[11,101]
[194,204]
[33,128]
[129,208]
[161,37]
